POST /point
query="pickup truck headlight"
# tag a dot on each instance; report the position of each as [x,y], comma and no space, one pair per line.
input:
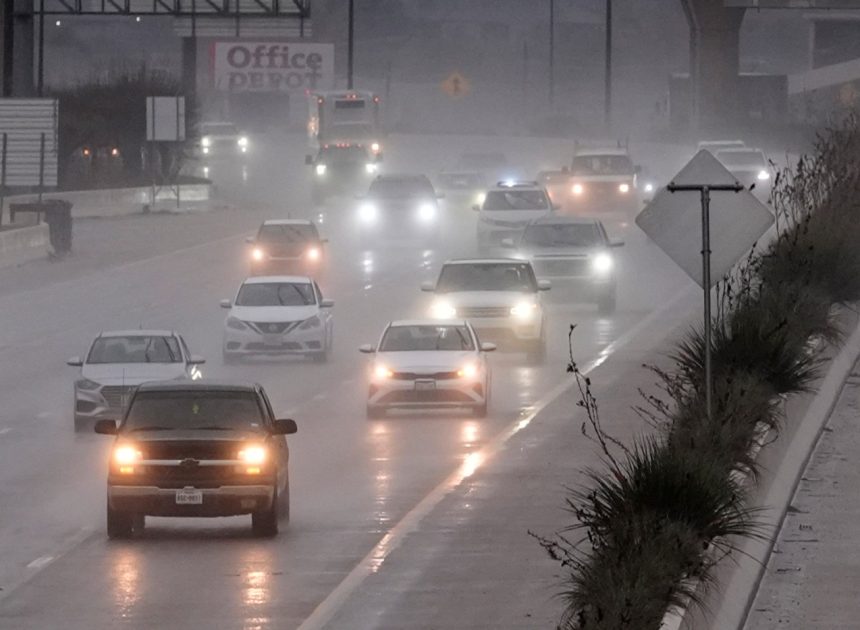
[86,384]
[258,254]
[235,323]
[577,189]
[125,457]
[253,455]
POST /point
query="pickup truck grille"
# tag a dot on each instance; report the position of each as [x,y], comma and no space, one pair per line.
[190,449]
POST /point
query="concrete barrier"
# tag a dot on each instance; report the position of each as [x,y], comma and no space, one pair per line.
[22,244]
[119,201]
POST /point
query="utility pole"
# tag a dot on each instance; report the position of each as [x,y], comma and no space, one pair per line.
[40,75]
[551,53]
[350,59]
[607,88]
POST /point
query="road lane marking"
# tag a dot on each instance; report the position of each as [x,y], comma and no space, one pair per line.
[40,562]
[410,522]
[37,565]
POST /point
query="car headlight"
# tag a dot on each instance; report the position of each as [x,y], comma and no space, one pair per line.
[480,198]
[235,323]
[649,187]
[367,212]
[258,254]
[602,263]
[524,310]
[86,384]
[320,169]
[254,455]
[206,142]
[426,212]
[312,322]
[375,147]
[443,310]
[470,370]
[313,253]
[577,189]
[242,142]
[382,373]
[370,167]
[763,175]
[624,188]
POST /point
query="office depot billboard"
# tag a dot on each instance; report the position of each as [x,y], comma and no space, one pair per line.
[272,66]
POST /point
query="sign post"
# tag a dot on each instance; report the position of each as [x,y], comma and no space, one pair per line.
[730,223]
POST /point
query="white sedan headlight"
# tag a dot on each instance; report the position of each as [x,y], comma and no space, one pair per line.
[763,175]
[312,322]
[602,263]
[235,323]
[321,169]
[624,188]
[441,309]
[87,384]
[370,168]
[426,212]
[368,213]
[524,311]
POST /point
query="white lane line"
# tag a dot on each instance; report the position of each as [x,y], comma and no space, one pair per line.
[36,566]
[5,431]
[372,562]
[40,562]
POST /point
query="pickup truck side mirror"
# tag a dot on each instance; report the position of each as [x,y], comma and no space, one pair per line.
[285,427]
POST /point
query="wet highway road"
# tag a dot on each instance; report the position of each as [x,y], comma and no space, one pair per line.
[352,479]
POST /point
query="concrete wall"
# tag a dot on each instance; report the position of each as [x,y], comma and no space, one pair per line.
[22,244]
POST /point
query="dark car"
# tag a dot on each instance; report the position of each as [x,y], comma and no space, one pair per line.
[400,204]
[574,252]
[198,449]
[287,246]
[340,169]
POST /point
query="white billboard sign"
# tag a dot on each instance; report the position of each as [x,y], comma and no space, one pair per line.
[272,66]
[165,118]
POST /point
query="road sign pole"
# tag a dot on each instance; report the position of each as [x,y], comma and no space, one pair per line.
[706,278]
[704,191]
[3,175]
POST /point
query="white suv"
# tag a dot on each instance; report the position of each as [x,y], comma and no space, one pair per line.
[499,297]
[506,211]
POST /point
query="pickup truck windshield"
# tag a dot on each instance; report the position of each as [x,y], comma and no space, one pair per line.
[204,410]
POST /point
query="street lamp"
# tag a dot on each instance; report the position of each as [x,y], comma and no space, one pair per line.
[607,87]
[350,45]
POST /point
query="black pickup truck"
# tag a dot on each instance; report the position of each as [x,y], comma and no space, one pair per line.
[197,448]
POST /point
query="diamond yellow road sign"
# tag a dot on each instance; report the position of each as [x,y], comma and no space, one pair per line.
[456,85]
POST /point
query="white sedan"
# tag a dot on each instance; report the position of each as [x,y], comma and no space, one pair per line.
[423,364]
[278,315]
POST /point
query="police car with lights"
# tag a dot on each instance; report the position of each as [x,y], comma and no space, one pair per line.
[507,209]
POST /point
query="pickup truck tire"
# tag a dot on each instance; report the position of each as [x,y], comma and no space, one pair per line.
[264,523]
[119,524]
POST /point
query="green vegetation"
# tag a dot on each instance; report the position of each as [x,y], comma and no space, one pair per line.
[660,514]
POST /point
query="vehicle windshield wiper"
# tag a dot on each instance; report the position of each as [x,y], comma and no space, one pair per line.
[152,427]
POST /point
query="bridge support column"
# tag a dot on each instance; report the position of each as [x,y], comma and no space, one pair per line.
[714,62]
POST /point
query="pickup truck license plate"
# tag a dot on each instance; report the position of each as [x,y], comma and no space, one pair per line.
[425,386]
[189,496]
